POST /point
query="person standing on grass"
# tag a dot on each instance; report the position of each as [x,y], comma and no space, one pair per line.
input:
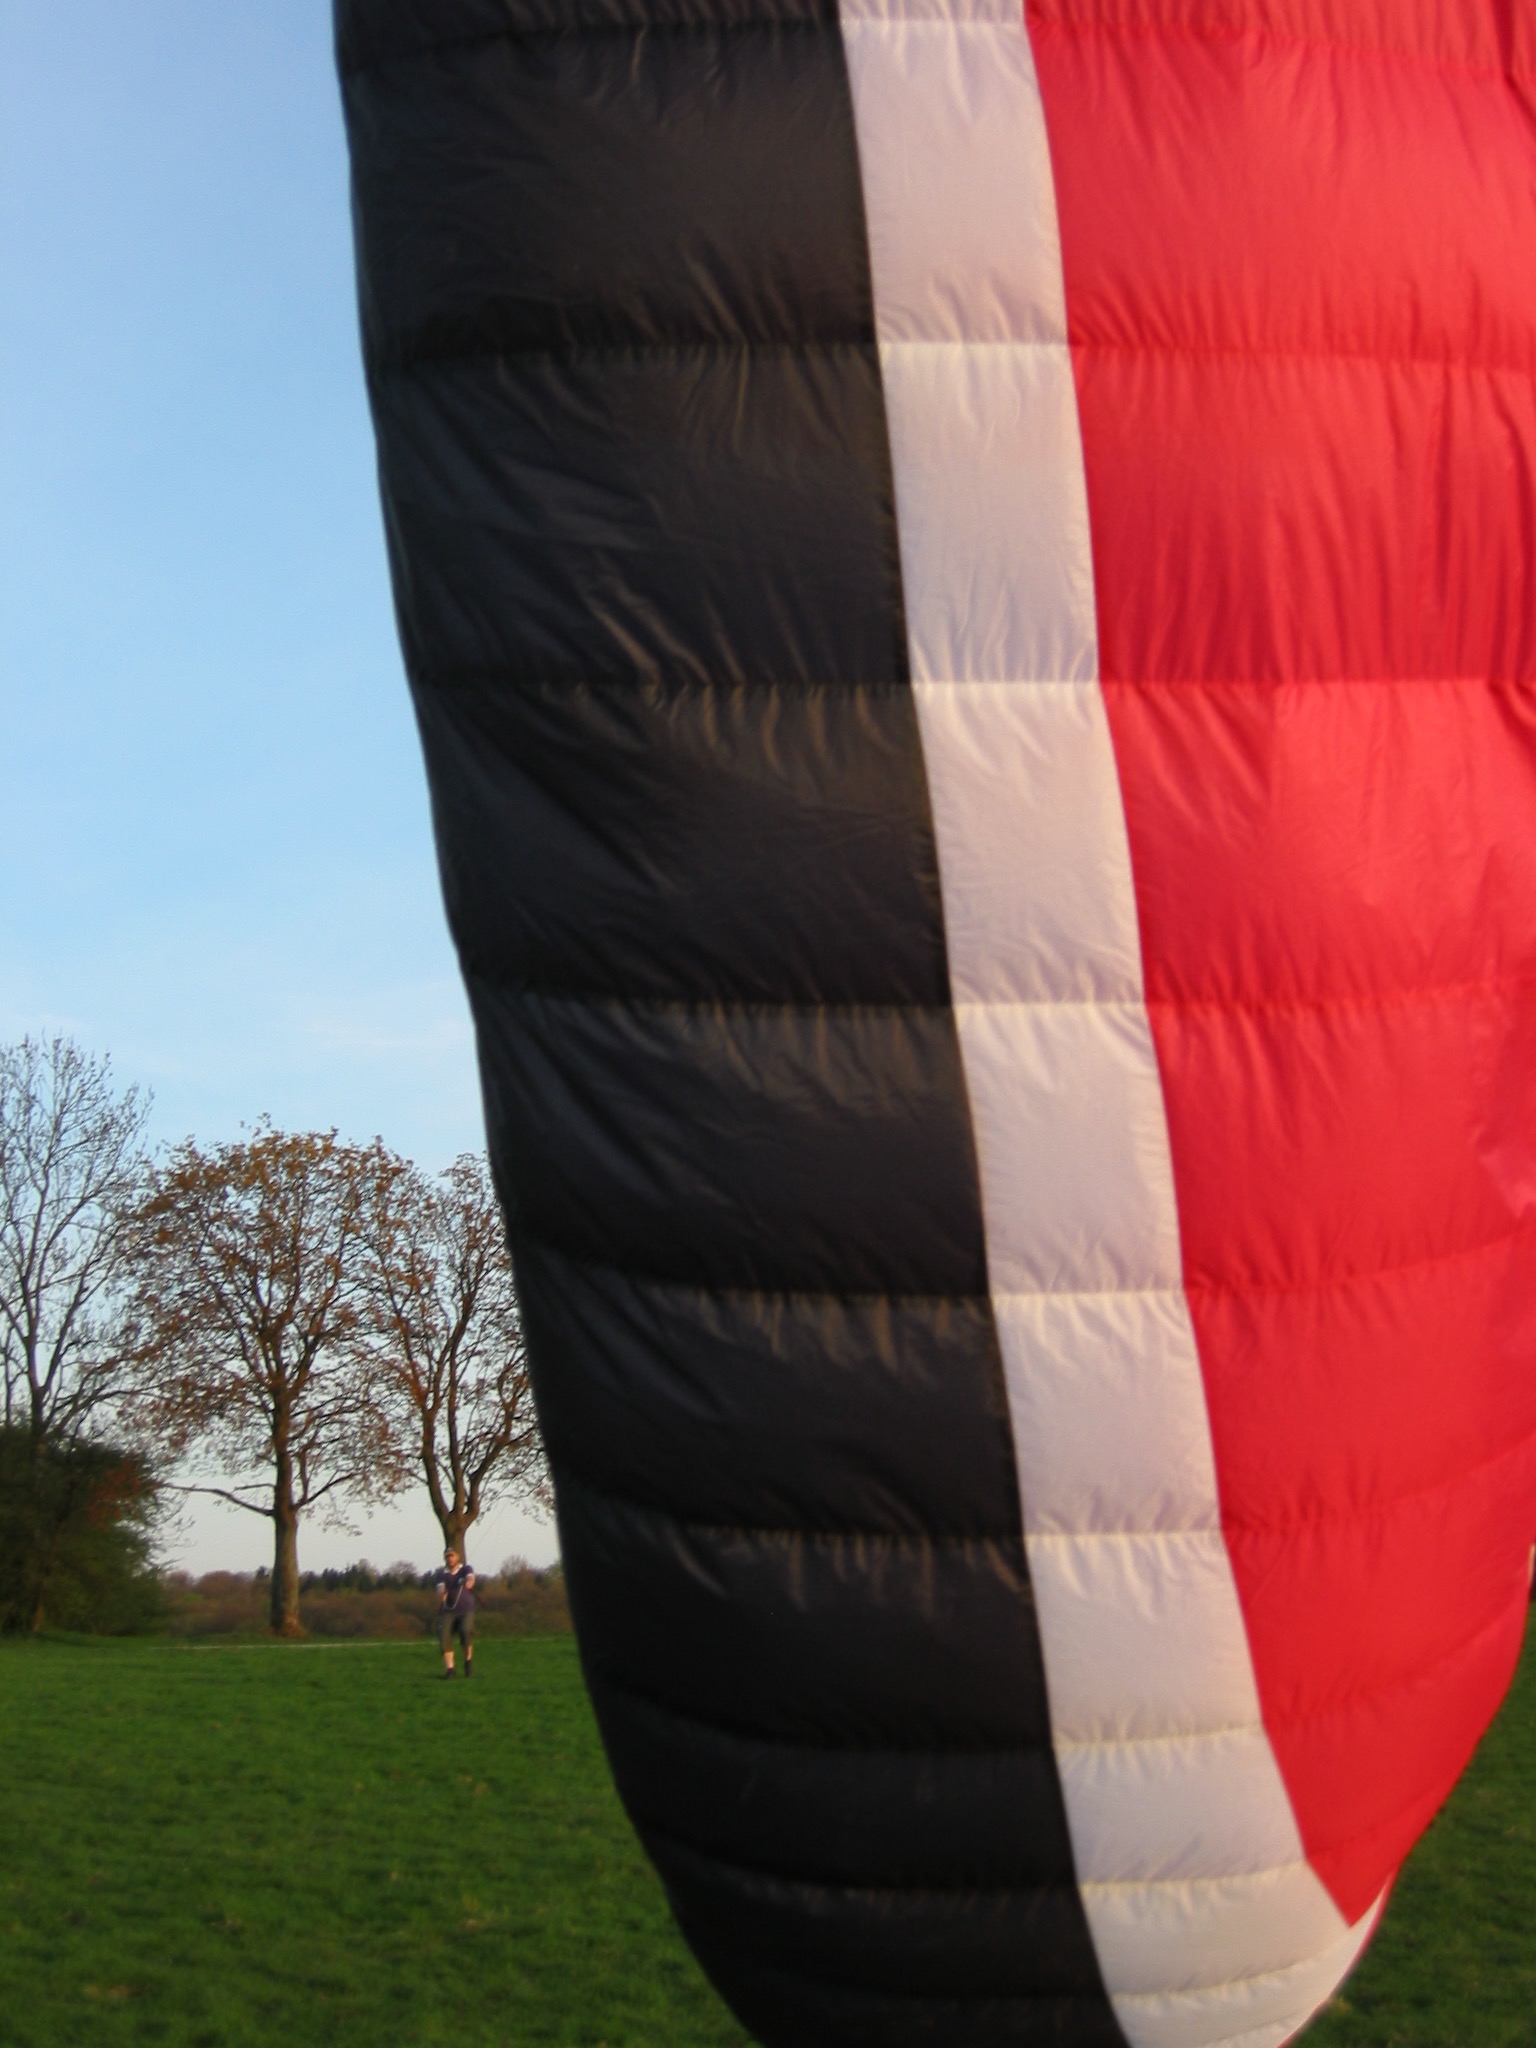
[456,1611]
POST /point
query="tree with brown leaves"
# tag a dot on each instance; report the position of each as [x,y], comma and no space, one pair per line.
[254,1325]
[451,1367]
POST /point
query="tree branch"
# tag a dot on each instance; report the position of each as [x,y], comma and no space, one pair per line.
[221,1493]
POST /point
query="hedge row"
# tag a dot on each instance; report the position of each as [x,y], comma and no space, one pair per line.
[521,1601]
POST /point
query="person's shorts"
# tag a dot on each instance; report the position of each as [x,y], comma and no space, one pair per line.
[450,1625]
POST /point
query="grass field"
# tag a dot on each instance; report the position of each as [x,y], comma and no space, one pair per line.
[327,1847]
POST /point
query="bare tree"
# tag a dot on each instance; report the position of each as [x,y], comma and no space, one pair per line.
[452,1368]
[252,1306]
[72,1166]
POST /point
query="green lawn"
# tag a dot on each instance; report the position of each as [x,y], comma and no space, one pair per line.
[1454,1965]
[302,1846]
[323,1847]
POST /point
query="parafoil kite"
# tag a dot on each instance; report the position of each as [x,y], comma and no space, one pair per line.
[967,574]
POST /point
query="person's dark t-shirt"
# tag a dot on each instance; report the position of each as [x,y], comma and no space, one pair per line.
[458,1595]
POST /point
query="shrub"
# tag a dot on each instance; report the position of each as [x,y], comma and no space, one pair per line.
[76,1522]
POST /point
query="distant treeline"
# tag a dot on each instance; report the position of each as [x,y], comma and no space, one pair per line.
[362,1602]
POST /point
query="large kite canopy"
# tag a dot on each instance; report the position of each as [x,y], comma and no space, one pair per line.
[968,580]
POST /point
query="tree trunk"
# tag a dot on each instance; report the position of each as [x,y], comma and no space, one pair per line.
[285,1553]
[460,1514]
[39,1536]
[451,1510]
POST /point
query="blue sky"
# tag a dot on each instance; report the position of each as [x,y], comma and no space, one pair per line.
[215,848]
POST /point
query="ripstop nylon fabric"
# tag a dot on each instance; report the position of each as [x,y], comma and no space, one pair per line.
[635,471]
[1208,1921]
[964,576]
[1304,371]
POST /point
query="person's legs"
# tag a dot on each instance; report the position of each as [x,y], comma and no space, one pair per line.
[445,1638]
[467,1638]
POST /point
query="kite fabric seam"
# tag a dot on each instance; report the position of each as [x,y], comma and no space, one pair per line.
[520,988]
[765,1880]
[828,1538]
[1192,1284]
[396,361]
[644,681]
